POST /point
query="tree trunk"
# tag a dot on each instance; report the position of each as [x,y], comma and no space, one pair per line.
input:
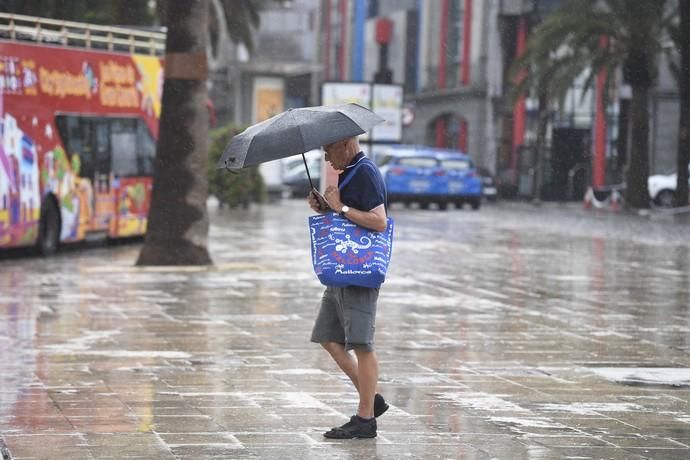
[637,169]
[177,231]
[683,154]
[542,122]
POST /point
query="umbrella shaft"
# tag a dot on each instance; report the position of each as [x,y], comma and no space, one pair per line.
[307,167]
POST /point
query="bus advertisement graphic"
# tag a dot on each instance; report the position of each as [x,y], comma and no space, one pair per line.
[77,132]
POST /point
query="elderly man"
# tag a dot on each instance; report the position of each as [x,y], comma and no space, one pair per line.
[346,320]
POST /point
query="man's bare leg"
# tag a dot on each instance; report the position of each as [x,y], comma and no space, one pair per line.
[364,369]
[345,361]
[368,377]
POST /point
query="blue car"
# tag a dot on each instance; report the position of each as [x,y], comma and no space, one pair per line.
[424,175]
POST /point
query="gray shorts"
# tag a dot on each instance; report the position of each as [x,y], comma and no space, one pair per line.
[347,316]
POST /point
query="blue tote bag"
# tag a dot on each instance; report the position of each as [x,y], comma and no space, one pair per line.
[346,254]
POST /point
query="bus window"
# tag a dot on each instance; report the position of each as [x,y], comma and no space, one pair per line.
[123,146]
[146,148]
[77,136]
[102,144]
[123,139]
[133,148]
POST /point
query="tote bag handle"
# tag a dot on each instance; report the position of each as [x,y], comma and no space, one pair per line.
[354,170]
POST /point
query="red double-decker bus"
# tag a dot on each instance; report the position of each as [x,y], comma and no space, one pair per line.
[79,109]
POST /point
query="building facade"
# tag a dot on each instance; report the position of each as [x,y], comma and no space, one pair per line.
[282,71]
[586,142]
[441,52]
[452,58]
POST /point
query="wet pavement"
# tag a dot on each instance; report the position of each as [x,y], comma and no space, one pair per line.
[509,333]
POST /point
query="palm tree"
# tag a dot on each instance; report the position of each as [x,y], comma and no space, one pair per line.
[680,34]
[569,42]
[178,224]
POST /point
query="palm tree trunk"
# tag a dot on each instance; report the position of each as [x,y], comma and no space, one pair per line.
[637,170]
[542,122]
[177,231]
[683,154]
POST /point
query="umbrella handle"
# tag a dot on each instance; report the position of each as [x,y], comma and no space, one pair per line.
[307,167]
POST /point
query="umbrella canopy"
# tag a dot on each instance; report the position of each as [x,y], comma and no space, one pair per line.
[296,131]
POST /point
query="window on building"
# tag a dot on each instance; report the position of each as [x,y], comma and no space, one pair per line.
[373,8]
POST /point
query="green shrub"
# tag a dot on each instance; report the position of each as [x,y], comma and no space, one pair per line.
[232,188]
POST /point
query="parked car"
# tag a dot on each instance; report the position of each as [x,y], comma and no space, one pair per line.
[425,175]
[662,188]
[295,177]
[489,184]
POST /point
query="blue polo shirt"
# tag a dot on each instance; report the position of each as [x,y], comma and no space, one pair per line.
[366,190]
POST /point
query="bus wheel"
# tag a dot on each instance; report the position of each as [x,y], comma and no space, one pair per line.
[49,229]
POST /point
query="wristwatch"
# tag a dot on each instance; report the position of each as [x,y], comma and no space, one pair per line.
[344,210]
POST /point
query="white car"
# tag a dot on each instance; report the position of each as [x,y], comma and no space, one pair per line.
[662,188]
[295,179]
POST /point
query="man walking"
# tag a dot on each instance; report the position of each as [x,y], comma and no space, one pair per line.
[346,320]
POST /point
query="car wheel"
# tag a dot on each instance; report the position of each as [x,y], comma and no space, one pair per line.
[476,203]
[49,229]
[443,206]
[424,205]
[665,198]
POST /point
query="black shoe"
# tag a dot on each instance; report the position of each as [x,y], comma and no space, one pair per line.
[355,428]
[380,405]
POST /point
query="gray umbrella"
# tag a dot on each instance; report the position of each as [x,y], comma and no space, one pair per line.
[296,131]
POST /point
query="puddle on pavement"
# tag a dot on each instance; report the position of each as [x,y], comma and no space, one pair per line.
[652,376]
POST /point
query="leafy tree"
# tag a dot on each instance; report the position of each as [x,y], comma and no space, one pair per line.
[120,12]
[241,16]
[569,42]
[232,189]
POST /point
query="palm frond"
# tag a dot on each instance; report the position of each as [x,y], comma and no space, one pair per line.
[567,43]
[672,27]
[603,61]
[242,16]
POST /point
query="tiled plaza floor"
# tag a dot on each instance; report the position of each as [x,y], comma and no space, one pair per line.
[505,333]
